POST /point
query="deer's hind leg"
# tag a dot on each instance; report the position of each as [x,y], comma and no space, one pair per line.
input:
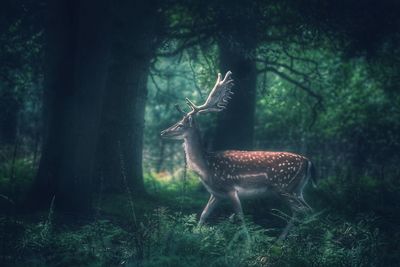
[287,228]
[306,207]
[298,193]
[290,223]
[298,199]
[298,206]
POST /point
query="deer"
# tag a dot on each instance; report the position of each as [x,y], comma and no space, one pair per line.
[234,174]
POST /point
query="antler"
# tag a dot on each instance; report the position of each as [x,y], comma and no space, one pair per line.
[218,98]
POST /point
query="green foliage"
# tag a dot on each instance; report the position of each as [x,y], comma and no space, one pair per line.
[336,237]
[96,244]
[181,180]
[179,191]
[21,77]
[15,179]
[330,241]
[164,238]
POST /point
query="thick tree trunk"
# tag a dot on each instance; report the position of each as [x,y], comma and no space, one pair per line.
[121,141]
[75,81]
[9,109]
[235,126]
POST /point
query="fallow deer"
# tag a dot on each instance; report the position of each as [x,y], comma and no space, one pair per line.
[233,174]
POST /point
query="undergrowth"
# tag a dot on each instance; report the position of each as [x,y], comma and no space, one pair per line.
[170,236]
[164,238]
[15,179]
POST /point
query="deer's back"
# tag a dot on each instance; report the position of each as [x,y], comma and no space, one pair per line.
[250,169]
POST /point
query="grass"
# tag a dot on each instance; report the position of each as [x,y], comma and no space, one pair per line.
[165,238]
[165,232]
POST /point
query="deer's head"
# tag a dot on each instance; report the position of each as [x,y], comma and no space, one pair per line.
[180,129]
[216,101]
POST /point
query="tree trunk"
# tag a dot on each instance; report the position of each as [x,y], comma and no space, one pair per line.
[235,126]
[75,80]
[121,141]
[9,108]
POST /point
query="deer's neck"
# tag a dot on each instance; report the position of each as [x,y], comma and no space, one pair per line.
[195,155]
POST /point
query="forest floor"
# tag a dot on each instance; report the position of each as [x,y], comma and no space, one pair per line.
[161,229]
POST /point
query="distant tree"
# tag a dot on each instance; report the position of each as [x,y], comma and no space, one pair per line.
[253,38]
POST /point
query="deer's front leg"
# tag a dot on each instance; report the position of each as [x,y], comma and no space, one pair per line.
[212,203]
[237,206]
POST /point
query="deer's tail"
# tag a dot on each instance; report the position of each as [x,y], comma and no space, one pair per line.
[312,174]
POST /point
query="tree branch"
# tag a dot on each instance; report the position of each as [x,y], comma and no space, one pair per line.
[295,82]
[185,45]
[195,80]
[289,68]
[305,88]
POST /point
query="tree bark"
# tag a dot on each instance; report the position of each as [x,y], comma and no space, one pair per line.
[235,126]
[9,109]
[77,61]
[121,140]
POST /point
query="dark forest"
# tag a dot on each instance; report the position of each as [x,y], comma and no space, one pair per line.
[88,88]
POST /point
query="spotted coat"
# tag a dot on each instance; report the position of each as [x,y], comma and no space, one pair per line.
[253,169]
